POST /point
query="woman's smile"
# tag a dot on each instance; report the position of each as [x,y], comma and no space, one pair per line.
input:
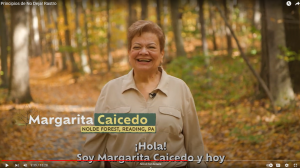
[143,60]
[145,54]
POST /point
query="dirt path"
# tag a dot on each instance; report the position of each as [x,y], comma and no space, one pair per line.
[55,94]
[43,107]
[41,142]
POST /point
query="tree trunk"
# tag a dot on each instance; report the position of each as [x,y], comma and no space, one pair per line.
[204,42]
[176,24]
[68,38]
[158,8]
[84,4]
[78,34]
[73,38]
[213,26]
[256,24]
[132,13]
[167,58]
[51,42]
[63,54]
[274,70]
[228,35]
[292,38]
[144,6]
[264,66]
[109,56]
[98,6]
[31,49]
[4,44]
[203,31]
[19,88]
[256,15]
[35,31]
[44,46]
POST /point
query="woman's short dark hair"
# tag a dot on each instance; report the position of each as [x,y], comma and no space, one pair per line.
[142,26]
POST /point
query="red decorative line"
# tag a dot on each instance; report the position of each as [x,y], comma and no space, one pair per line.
[104,160]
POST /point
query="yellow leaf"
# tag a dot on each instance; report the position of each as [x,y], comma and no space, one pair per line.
[298,155]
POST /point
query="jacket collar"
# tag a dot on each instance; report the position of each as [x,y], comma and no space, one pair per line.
[128,82]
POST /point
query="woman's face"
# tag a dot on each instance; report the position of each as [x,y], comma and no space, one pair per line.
[144,54]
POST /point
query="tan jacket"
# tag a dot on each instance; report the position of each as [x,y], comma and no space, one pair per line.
[176,123]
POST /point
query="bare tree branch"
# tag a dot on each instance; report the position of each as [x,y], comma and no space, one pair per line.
[260,81]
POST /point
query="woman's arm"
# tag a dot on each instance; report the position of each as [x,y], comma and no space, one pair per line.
[191,130]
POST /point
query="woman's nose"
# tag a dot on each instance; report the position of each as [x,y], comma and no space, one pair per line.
[144,51]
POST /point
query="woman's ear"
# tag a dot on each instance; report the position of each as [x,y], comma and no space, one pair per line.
[162,57]
[162,53]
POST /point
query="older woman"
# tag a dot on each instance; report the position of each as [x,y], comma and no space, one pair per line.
[147,88]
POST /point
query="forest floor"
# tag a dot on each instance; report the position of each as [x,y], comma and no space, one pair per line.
[233,121]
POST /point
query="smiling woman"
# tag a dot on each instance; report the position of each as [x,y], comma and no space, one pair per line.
[145,48]
[146,53]
[147,88]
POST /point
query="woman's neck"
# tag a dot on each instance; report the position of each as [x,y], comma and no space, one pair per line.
[146,77]
[146,82]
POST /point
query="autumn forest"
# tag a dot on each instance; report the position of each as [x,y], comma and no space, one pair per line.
[240,59]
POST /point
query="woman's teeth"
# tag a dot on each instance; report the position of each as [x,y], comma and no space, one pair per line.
[143,60]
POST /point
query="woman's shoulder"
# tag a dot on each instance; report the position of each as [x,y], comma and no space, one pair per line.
[176,81]
[179,85]
[117,82]
[113,85]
